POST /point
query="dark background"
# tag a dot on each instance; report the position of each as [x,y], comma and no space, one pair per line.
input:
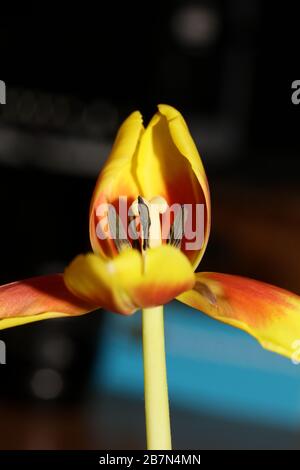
[71,79]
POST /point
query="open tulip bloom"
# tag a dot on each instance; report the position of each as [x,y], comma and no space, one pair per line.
[149,226]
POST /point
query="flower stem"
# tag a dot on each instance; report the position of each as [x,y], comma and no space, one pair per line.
[155,379]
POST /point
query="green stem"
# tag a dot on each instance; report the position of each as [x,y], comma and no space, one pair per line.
[155,378]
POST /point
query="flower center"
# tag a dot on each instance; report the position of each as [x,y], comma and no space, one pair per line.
[149,213]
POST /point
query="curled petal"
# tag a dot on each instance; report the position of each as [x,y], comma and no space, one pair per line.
[159,161]
[130,281]
[38,298]
[116,179]
[169,165]
[270,314]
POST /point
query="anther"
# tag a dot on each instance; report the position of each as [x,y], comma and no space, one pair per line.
[177,228]
[117,230]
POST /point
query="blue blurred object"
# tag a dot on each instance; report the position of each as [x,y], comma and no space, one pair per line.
[212,368]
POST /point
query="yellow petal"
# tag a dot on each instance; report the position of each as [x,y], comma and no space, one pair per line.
[169,165]
[38,298]
[270,314]
[129,282]
[159,161]
[117,178]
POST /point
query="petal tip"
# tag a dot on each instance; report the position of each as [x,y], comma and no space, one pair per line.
[168,111]
[136,116]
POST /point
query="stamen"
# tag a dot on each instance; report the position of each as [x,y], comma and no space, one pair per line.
[149,214]
[177,228]
[144,214]
[135,238]
[117,229]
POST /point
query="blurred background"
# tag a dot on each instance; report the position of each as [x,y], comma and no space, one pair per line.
[70,81]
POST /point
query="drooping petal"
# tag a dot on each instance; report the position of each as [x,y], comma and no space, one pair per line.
[38,298]
[129,281]
[270,314]
[169,165]
[116,179]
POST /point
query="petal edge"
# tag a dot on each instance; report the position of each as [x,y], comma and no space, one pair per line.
[38,298]
[269,313]
[128,282]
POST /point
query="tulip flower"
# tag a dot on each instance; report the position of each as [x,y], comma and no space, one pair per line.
[139,262]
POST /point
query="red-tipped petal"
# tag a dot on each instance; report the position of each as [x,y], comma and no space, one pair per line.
[270,314]
[38,298]
[169,165]
[161,160]
[116,179]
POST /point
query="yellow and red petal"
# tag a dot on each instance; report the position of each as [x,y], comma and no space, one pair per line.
[129,282]
[116,179]
[159,161]
[270,314]
[38,298]
[170,166]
